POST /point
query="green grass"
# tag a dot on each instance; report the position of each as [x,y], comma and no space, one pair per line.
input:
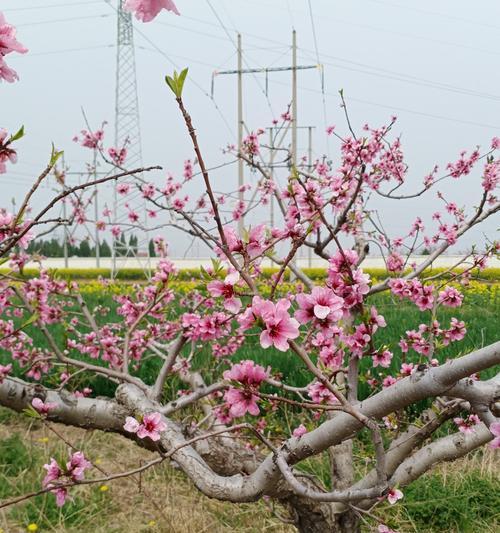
[463,502]
[454,498]
[480,313]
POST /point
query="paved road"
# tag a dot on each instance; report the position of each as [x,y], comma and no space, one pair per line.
[144,262]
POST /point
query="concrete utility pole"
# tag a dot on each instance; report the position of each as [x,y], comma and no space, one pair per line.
[96,212]
[240,71]
[294,98]
[309,168]
[241,181]
[271,173]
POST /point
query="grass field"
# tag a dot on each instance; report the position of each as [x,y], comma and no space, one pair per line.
[460,497]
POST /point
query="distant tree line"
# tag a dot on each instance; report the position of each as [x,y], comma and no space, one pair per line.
[55,247]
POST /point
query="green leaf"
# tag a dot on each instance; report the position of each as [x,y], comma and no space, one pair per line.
[31,412]
[176,83]
[55,155]
[171,83]
[33,318]
[18,135]
[182,79]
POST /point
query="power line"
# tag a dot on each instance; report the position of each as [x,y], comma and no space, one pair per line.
[412,80]
[397,108]
[417,81]
[68,19]
[66,4]
[435,13]
[321,73]
[84,48]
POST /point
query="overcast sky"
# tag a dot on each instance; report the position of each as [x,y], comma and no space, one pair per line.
[433,64]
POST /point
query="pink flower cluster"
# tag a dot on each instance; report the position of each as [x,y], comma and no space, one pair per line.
[395,262]
[421,295]
[150,425]
[319,393]
[8,44]
[118,155]
[147,10]
[252,247]
[90,139]
[251,143]
[208,327]
[74,471]
[417,340]
[277,325]
[467,425]
[464,165]
[240,401]
[347,281]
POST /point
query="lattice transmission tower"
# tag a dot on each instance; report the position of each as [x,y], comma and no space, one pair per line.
[127,128]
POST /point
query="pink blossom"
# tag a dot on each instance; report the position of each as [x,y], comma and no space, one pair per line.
[247,373]
[53,472]
[4,371]
[6,73]
[77,466]
[450,297]
[395,262]
[8,44]
[388,381]
[118,155]
[407,369]
[382,358]
[123,188]
[299,431]
[319,393]
[74,471]
[321,304]
[188,169]
[226,289]
[147,10]
[256,240]
[151,426]
[376,320]
[279,326]
[382,528]
[467,425]
[42,407]
[90,139]
[241,401]
[495,430]
[394,495]
[456,332]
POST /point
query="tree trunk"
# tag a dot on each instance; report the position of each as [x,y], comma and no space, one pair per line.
[315,517]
